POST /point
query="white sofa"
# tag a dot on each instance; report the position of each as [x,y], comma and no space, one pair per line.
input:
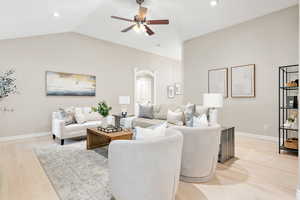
[146,169]
[160,114]
[60,130]
[200,152]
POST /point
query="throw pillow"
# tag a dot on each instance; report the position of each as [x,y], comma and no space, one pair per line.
[160,111]
[200,110]
[200,121]
[90,115]
[79,116]
[146,111]
[189,112]
[175,117]
[146,133]
[68,115]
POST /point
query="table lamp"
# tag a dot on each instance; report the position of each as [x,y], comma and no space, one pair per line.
[124,101]
[213,101]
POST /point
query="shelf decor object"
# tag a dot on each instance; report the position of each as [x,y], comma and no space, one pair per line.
[66,84]
[288,108]
[243,81]
[218,81]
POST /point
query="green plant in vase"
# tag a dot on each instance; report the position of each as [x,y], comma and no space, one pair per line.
[103,109]
[291,120]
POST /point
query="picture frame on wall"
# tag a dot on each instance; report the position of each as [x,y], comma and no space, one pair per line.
[178,89]
[218,81]
[69,84]
[243,81]
[171,91]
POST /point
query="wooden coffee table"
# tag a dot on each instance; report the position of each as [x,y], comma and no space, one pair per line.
[96,138]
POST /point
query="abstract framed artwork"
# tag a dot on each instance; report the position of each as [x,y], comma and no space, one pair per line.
[218,81]
[171,91]
[67,84]
[243,81]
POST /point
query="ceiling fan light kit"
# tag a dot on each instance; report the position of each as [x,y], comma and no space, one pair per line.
[141,24]
[214,3]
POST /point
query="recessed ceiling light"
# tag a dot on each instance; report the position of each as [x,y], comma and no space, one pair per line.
[56,14]
[214,3]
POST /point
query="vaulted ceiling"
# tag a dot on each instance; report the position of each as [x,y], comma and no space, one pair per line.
[188,19]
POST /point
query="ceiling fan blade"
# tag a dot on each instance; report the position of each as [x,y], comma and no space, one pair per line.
[149,31]
[121,18]
[158,22]
[129,28]
[143,12]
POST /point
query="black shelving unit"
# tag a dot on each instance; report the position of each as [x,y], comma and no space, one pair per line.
[286,74]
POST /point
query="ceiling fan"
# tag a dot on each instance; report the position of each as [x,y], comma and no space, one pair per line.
[140,21]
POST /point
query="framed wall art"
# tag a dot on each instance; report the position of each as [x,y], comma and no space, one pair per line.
[67,84]
[218,81]
[178,89]
[243,81]
[171,91]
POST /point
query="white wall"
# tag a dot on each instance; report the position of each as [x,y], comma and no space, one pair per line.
[268,42]
[69,52]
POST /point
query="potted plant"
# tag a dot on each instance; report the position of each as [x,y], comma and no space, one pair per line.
[289,122]
[103,109]
[7,87]
[7,84]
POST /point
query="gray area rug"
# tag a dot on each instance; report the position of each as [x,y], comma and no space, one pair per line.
[76,173]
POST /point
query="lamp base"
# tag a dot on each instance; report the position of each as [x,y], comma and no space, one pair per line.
[124,114]
[213,116]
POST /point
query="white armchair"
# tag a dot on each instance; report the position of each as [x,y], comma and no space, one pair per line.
[146,169]
[200,152]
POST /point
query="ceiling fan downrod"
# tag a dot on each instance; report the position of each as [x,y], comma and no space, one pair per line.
[140,2]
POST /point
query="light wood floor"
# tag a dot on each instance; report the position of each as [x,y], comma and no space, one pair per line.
[258,173]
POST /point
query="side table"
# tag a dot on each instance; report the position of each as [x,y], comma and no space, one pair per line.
[227,145]
[124,122]
[127,122]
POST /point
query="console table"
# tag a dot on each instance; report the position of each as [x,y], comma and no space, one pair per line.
[227,145]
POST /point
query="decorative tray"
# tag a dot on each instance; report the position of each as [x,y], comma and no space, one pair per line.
[110,129]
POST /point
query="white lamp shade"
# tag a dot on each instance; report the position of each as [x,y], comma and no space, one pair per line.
[124,100]
[213,100]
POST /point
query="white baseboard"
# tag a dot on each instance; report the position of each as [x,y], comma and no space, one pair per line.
[298,194]
[262,137]
[20,137]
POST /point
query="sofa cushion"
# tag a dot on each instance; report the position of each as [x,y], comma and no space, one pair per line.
[146,111]
[91,115]
[200,121]
[175,117]
[79,116]
[160,111]
[68,115]
[145,123]
[189,112]
[200,110]
[82,127]
[147,133]
[84,114]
